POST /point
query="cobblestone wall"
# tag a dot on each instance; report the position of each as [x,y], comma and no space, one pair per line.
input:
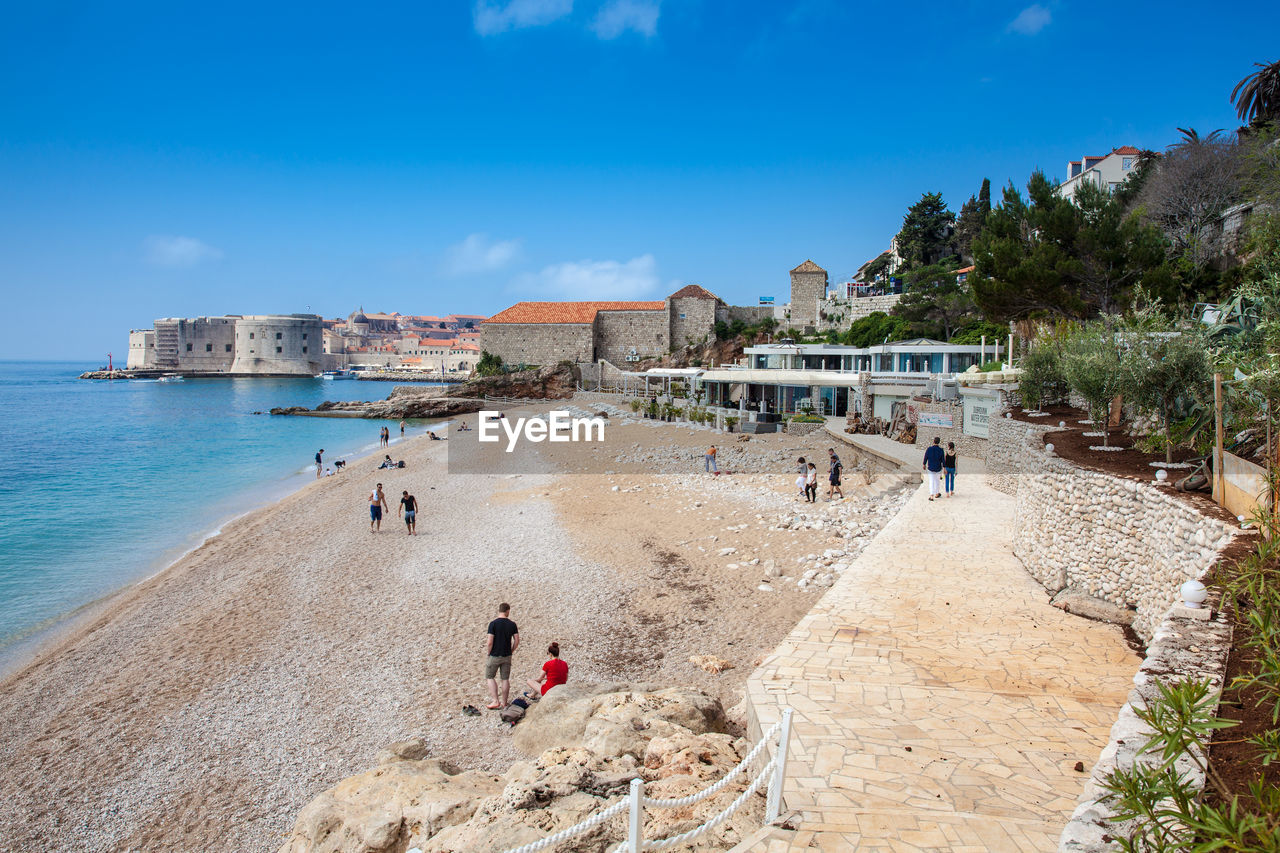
[1122,541]
[1008,444]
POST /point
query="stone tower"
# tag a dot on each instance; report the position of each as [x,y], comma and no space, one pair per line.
[808,290]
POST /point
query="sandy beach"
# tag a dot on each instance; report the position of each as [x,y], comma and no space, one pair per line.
[204,707]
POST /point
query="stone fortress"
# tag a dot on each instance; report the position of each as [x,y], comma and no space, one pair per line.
[545,333]
[243,345]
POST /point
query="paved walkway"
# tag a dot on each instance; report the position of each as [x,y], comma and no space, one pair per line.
[940,702]
[907,455]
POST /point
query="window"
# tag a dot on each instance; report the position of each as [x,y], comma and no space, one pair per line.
[681,316]
[304,336]
[279,349]
[208,347]
[277,336]
[188,347]
[304,350]
[251,336]
[1126,163]
[228,347]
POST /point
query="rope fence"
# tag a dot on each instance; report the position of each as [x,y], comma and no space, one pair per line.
[774,772]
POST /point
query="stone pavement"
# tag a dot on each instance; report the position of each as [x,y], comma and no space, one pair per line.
[940,702]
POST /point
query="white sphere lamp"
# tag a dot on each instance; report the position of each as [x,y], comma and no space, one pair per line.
[1048,448]
[1193,594]
[1062,424]
[1161,475]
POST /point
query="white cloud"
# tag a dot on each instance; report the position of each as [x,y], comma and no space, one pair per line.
[594,280]
[1030,20]
[165,251]
[491,17]
[479,254]
[618,16]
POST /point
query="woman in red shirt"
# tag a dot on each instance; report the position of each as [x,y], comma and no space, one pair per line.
[554,671]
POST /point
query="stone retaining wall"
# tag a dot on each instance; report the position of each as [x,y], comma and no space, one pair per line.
[1009,444]
[1122,541]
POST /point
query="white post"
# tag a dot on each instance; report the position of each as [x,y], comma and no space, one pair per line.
[982,351]
[1008,356]
[773,805]
[635,837]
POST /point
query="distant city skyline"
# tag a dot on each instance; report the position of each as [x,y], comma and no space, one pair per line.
[457,157]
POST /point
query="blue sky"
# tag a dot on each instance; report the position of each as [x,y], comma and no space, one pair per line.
[451,156]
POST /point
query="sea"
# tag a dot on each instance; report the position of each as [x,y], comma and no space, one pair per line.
[104,483]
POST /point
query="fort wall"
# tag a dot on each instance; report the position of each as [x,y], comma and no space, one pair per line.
[618,332]
[280,344]
[539,343]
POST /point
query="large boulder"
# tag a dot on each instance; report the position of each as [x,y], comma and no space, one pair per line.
[615,719]
[590,741]
[400,803]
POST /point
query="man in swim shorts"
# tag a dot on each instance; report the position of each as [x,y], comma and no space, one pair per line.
[319,456]
[377,503]
[501,642]
[409,504]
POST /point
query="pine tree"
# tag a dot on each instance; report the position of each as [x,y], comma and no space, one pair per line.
[984,199]
[926,235]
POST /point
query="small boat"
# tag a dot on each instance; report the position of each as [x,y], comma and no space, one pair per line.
[171,377]
[339,374]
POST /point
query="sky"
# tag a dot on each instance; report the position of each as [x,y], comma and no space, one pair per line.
[450,156]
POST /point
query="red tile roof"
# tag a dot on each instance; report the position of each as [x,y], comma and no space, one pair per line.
[693,291]
[566,312]
[1126,149]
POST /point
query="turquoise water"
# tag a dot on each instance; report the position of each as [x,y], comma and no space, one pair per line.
[103,483]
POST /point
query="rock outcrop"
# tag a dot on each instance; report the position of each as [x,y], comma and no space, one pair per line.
[590,740]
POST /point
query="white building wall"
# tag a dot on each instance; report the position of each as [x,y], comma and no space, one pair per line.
[142,349]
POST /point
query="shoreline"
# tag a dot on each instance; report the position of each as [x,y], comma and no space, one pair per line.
[212,701]
[47,638]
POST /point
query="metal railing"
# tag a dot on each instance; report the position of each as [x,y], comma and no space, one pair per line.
[774,772]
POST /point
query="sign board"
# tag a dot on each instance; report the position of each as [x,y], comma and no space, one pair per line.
[766,300]
[978,409]
[936,419]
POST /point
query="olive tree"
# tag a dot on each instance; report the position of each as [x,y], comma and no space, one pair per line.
[1091,365]
[1163,372]
[1041,378]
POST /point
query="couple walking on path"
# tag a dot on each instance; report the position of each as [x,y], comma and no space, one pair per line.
[501,642]
[939,465]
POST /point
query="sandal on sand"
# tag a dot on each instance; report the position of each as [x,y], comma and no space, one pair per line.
[470,711]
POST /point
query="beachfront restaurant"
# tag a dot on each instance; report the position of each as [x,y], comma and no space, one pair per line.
[782,379]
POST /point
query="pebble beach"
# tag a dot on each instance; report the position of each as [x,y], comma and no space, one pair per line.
[204,707]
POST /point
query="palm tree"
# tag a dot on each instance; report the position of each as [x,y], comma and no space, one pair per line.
[1259,95]
[1191,138]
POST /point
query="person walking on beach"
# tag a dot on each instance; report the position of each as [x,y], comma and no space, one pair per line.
[402,429]
[319,463]
[833,475]
[709,461]
[409,505]
[933,458]
[811,484]
[377,503]
[802,476]
[554,672]
[501,641]
[949,469]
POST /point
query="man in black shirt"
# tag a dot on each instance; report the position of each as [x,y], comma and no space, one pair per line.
[409,506]
[501,642]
